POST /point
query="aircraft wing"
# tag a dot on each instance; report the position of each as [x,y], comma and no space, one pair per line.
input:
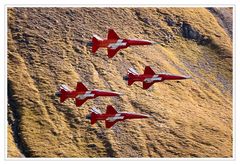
[112,34]
[81,87]
[147,85]
[109,124]
[112,52]
[79,102]
[111,110]
[148,70]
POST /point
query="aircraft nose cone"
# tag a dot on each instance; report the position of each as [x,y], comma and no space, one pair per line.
[120,94]
[153,42]
[142,116]
[58,94]
[187,77]
[117,93]
[146,116]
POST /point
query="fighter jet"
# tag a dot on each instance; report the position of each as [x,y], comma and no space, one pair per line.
[112,116]
[114,43]
[81,94]
[149,77]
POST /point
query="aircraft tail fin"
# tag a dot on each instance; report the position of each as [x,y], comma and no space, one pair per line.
[63,95]
[95,43]
[94,111]
[93,118]
[131,78]
[63,90]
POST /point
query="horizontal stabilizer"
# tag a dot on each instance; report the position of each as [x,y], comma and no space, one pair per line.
[65,87]
[133,71]
[96,111]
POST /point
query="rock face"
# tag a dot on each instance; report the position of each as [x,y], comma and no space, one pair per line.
[224,17]
[169,21]
[50,46]
[189,33]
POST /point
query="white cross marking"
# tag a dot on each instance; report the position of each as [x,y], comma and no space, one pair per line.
[117,44]
[154,78]
[116,117]
[85,95]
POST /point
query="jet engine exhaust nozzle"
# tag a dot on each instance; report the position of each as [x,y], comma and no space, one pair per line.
[88,116]
[125,78]
[58,94]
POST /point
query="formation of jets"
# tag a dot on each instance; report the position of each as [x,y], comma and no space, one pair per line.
[81,94]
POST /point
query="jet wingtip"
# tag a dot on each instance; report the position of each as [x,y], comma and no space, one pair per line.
[109,56]
[110,29]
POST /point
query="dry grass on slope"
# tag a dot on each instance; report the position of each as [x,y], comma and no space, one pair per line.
[191,118]
[13,151]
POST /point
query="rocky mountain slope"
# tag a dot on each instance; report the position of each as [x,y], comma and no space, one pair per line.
[190,118]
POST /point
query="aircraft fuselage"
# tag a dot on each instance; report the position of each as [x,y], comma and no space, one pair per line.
[157,77]
[119,116]
[89,94]
[121,43]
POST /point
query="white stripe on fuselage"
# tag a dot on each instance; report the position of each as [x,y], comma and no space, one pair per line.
[87,94]
[116,117]
[154,78]
[117,44]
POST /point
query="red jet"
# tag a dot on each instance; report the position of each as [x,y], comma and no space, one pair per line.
[81,94]
[112,116]
[149,77]
[114,43]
